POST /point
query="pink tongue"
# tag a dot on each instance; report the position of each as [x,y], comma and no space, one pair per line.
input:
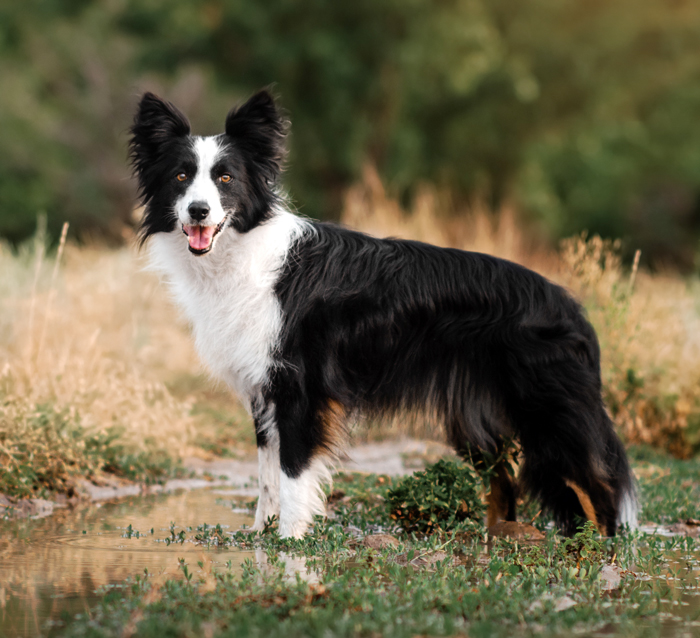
[199,236]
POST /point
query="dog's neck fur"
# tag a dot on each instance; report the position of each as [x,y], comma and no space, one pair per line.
[228,295]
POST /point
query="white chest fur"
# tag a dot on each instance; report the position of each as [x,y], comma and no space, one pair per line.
[228,296]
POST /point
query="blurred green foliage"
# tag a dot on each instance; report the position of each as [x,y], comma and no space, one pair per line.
[582,113]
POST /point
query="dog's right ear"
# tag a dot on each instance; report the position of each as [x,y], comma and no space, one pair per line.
[156,122]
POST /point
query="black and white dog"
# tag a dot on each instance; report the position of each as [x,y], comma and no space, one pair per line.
[312,324]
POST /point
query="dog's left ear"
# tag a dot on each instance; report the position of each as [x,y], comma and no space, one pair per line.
[259,129]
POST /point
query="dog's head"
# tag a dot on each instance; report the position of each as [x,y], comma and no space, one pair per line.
[203,185]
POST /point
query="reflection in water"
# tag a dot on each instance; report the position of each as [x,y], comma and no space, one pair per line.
[680,589]
[293,566]
[53,566]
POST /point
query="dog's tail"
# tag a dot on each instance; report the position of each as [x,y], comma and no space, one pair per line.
[574,462]
[574,427]
[622,480]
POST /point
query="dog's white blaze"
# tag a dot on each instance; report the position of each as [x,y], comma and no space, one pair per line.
[228,296]
[203,187]
[301,498]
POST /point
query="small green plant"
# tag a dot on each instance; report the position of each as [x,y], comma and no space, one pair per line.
[586,545]
[185,570]
[444,495]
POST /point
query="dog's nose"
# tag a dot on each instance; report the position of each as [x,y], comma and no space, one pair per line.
[198,210]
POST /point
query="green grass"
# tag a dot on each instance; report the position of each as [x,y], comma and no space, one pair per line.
[443,583]
[670,488]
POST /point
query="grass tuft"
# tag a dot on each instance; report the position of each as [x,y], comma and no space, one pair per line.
[445,495]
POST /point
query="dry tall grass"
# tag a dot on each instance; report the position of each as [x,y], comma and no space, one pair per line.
[97,341]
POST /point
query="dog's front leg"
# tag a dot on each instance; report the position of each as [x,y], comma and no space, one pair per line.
[268,473]
[301,497]
[303,467]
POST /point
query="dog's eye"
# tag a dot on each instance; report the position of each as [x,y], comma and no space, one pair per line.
[225,178]
[181,177]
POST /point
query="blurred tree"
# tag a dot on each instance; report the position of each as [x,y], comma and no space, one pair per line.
[582,113]
[619,153]
[65,89]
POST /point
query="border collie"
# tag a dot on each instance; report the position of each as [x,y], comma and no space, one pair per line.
[312,324]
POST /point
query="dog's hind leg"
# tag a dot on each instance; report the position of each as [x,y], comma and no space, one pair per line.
[573,460]
[501,497]
[607,491]
[586,503]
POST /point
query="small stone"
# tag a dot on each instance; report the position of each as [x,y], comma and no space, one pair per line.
[560,604]
[564,603]
[684,529]
[335,496]
[516,531]
[610,577]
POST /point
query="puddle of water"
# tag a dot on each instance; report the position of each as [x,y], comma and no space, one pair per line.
[54,566]
[681,604]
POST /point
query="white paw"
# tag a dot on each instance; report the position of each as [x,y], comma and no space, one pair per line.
[295,529]
[301,498]
[262,515]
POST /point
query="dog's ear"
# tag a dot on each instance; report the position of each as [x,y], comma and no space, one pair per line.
[156,122]
[259,129]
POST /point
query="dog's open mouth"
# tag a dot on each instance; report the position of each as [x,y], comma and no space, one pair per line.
[201,238]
